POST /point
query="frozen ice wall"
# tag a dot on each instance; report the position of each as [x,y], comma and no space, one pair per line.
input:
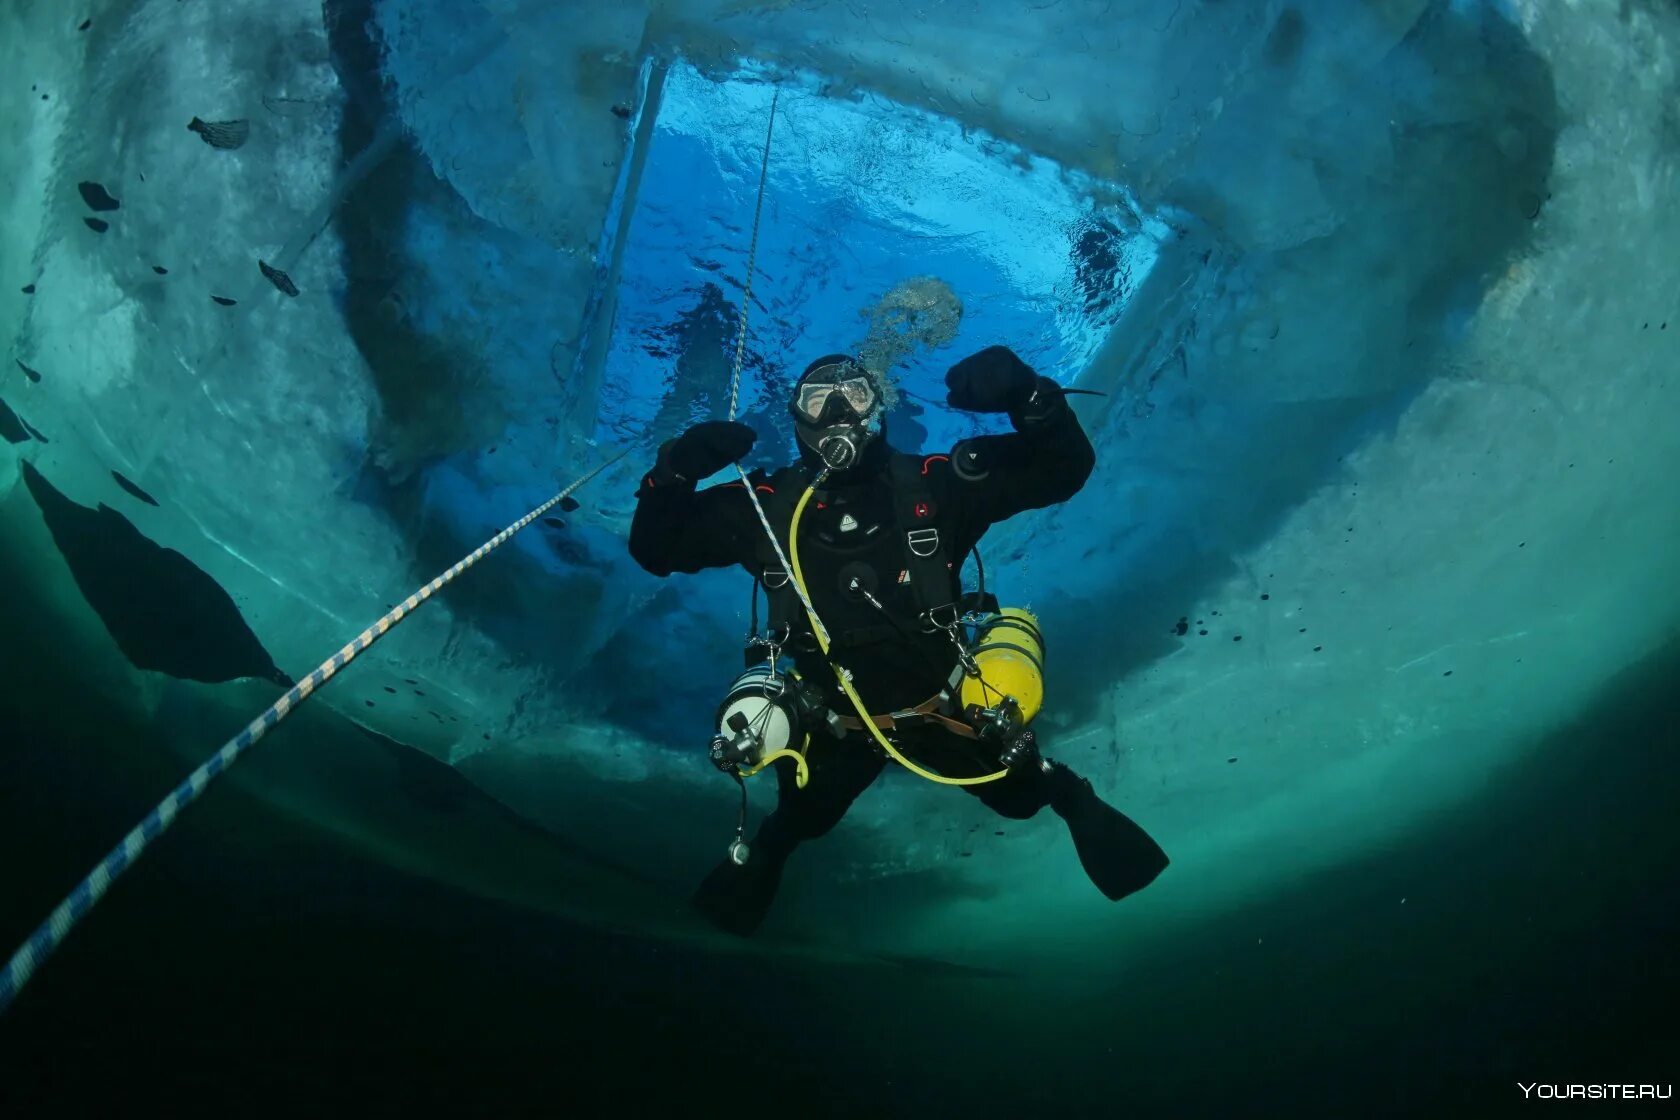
[1390,410]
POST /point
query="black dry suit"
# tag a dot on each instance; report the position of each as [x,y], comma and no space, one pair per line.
[859,529]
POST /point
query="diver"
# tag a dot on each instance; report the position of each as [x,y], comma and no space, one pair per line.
[881,544]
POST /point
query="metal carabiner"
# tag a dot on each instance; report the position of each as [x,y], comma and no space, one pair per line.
[772,642]
[934,620]
[970,666]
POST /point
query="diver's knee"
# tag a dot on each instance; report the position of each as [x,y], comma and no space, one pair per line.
[1016,808]
[795,821]
[813,825]
[1018,797]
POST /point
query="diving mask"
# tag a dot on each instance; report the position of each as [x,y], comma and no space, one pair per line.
[830,391]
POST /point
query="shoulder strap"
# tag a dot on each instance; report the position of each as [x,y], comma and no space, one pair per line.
[778,497]
[927,554]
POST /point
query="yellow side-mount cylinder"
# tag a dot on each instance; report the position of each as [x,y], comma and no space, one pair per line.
[1010,653]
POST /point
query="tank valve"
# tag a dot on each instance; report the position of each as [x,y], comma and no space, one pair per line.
[1001,726]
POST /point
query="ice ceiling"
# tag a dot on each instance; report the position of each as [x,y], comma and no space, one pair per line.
[1382,295]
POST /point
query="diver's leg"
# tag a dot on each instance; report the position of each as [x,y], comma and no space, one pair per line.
[1019,796]
[1120,857]
[840,771]
[735,897]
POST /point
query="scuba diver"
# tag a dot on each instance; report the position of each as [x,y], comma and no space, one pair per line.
[877,546]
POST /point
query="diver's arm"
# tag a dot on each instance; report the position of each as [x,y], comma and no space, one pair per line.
[677,528]
[1046,460]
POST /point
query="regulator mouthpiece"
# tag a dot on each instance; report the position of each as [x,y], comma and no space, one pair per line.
[840,448]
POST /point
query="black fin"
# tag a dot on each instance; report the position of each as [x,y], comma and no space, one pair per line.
[735,897]
[97,225]
[29,373]
[1119,856]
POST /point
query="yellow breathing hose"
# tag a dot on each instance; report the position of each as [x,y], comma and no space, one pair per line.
[845,683]
[798,757]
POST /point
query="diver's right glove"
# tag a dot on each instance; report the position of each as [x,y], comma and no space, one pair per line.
[703,450]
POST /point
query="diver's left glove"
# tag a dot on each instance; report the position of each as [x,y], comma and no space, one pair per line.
[703,450]
[994,380]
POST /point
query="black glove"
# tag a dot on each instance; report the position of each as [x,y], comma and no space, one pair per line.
[703,450]
[994,380]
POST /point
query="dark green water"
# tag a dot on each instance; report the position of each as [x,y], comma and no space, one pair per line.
[252,960]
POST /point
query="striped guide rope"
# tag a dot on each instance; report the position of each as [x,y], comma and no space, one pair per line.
[740,354]
[752,258]
[52,932]
[787,565]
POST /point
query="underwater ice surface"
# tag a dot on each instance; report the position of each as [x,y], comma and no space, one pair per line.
[1382,295]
